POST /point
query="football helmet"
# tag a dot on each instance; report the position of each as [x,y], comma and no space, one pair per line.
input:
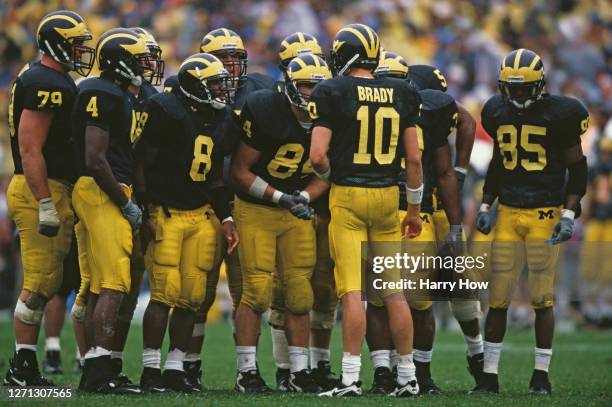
[228,47]
[297,44]
[123,54]
[355,45]
[61,35]
[393,65]
[306,69]
[157,63]
[521,78]
[203,79]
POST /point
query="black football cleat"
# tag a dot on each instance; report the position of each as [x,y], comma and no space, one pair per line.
[323,375]
[23,371]
[251,382]
[352,390]
[539,385]
[176,380]
[52,364]
[410,389]
[475,365]
[488,384]
[117,387]
[303,382]
[384,382]
[428,386]
[151,381]
[193,371]
[282,380]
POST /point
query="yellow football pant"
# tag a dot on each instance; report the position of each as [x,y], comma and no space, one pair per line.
[274,242]
[362,215]
[42,256]
[596,252]
[183,252]
[519,239]
[104,237]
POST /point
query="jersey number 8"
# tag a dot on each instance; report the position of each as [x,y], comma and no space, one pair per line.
[287,160]
[202,153]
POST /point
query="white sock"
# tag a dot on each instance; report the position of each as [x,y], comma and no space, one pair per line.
[247,358]
[423,356]
[492,352]
[318,355]
[96,352]
[19,346]
[52,343]
[151,358]
[351,365]
[174,360]
[77,354]
[542,358]
[192,357]
[394,358]
[381,358]
[405,369]
[474,344]
[298,358]
[116,355]
[280,350]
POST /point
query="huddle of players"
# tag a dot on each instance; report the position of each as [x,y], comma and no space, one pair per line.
[191,154]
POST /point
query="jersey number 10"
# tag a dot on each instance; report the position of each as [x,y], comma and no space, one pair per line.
[363,116]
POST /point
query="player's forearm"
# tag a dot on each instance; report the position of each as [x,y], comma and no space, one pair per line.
[449,191]
[252,184]
[35,171]
[101,172]
[466,133]
[316,188]
[140,188]
[491,184]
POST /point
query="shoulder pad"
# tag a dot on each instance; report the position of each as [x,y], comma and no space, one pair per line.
[427,77]
[494,106]
[265,104]
[99,85]
[261,81]
[563,107]
[435,99]
[36,75]
[147,90]
[171,83]
[171,104]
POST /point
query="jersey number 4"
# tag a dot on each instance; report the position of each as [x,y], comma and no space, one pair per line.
[508,139]
[363,116]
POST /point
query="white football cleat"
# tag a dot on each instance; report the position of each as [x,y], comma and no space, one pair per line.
[352,390]
[410,389]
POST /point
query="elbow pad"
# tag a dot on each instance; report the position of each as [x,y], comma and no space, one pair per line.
[577,178]
[220,202]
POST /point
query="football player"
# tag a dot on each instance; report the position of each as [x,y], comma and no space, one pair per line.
[355,115]
[226,45]
[275,186]
[440,117]
[179,175]
[536,147]
[323,314]
[38,195]
[102,195]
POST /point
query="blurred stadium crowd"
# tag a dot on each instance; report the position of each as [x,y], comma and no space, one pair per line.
[464,39]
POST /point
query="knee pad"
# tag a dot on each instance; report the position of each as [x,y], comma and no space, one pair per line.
[276,318]
[420,305]
[78,313]
[27,315]
[542,301]
[298,295]
[466,310]
[322,320]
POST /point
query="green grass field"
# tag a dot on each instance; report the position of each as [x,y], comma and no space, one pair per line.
[581,372]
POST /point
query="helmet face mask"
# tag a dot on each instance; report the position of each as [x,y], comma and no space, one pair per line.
[303,74]
[123,54]
[299,92]
[235,62]
[83,57]
[156,64]
[521,95]
[227,46]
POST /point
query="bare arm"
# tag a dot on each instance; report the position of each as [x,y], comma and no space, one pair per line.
[33,129]
[96,145]
[242,161]
[414,168]
[316,188]
[144,157]
[466,133]
[577,179]
[319,144]
[448,186]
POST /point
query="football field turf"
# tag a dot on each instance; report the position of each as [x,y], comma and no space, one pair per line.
[581,372]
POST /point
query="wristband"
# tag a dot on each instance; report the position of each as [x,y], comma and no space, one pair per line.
[306,195]
[46,204]
[276,196]
[324,176]
[462,170]
[228,219]
[484,207]
[414,196]
[258,188]
[568,213]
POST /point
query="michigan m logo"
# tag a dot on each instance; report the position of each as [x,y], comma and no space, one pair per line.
[549,214]
[425,218]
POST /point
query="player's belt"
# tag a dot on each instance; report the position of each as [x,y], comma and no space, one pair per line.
[531,199]
[366,182]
